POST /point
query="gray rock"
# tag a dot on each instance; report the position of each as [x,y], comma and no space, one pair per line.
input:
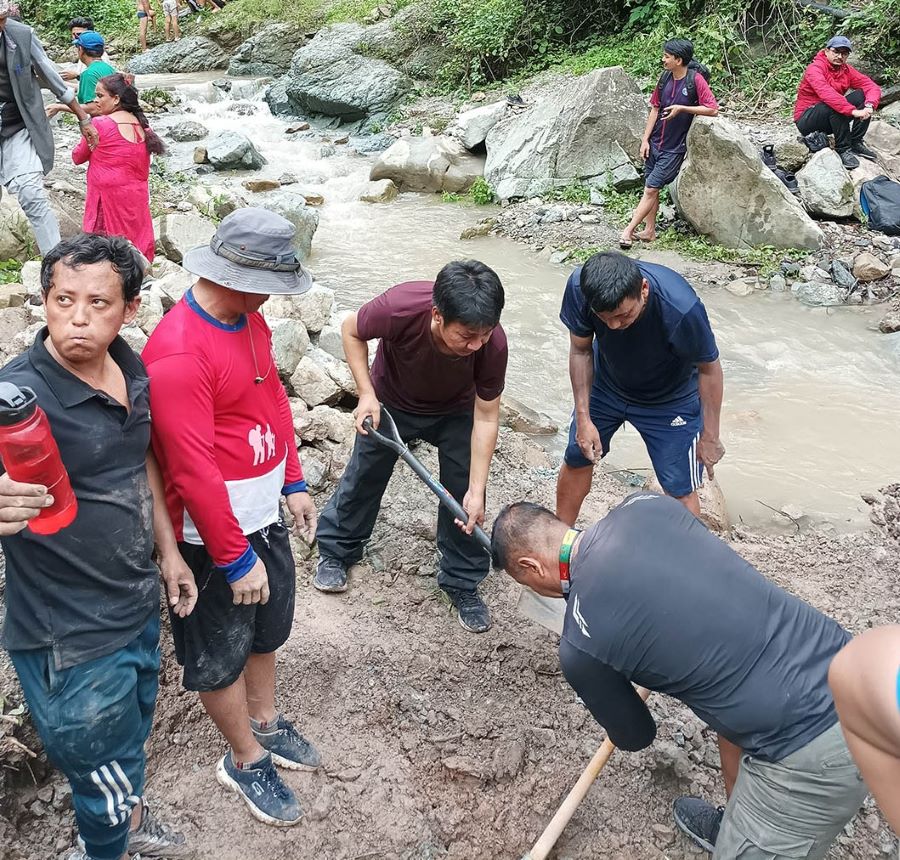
[316,468]
[578,130]
[190,54]
[30,276]
[231,150]
[371,143]
[12,296]
[471,127]
[314,308]
[337,370]
[330,339]
[842,275]
[826,188]
[17,240]
[292,205]
[722,164]
[178,232]
[436,163]
[134,337]
[328,77]
[14,324]
[313,385]
[381,191]
[289,343]
[890,322]
[267,52]
[777,283]
[279,101]
[188,131]
[791,154]
[323,422]
[819,294]
[868,267]
[524,419]
[884,138]
[171,281]
[151,311]
[742,286]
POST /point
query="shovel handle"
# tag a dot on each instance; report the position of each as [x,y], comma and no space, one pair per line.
[436,487]
[544,845]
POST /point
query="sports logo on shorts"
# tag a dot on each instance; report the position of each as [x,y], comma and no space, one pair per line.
[678,421]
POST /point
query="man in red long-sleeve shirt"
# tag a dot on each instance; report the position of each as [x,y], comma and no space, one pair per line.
[835,98]
[224,437]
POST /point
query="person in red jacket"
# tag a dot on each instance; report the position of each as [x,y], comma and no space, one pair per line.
[835,98]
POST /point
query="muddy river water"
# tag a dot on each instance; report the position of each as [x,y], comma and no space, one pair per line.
[811,399]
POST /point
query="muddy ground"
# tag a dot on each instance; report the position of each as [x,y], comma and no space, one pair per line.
[441,744]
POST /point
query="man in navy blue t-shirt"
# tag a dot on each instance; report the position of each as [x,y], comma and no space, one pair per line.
[641,350]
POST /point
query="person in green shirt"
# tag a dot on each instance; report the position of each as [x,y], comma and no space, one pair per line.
[91,47]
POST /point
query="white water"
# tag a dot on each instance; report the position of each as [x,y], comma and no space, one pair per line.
[811,402]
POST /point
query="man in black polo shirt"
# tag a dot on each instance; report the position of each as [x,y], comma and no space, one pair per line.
[82,605]
[749,659]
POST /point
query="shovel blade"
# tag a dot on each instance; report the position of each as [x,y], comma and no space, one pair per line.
[549,612]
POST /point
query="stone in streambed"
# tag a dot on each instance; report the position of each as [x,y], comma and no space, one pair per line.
[380,191]
[231,150]
[867,267]
[187,131]
[524,419]
[258,185]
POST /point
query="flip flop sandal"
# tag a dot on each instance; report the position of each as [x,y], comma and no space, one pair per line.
[625,245]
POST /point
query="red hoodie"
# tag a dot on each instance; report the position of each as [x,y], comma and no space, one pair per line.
[823,82]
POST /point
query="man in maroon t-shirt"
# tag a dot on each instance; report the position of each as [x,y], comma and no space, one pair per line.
[440,369]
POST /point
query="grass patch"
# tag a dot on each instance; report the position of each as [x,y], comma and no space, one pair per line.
[480,193]
[10,272]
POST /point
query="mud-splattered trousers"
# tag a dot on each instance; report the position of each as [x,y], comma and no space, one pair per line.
[94,719]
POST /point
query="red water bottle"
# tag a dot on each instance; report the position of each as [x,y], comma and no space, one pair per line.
[31,456]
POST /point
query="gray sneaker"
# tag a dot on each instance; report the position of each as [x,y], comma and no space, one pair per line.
[155,839]
[331,575]
[262,789]
[288,747]
[699,820]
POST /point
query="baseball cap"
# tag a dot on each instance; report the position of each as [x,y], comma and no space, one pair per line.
[839,42]
[90,39]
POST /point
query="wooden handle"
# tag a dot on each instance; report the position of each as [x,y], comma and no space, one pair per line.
[554,829]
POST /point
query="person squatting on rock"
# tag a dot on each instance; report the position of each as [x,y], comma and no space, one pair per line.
[440,369]
[865,681]
[655,599]
[641,350]
[224,436]
[91,48]
[82,613]
[835,98]
[26,141]
[681,94]
[118,176]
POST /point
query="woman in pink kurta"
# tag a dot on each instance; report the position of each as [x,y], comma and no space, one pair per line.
[118,193]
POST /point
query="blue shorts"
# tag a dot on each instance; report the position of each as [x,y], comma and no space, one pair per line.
[661,168]
[93,719]
[670,432]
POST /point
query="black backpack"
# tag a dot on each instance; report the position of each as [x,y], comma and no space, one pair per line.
[879,199]
[690,82]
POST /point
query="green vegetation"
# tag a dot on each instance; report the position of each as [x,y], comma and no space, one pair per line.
[480,194]
[10,273]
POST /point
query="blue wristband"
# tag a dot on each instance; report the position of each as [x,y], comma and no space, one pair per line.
[241,566]
[296,487]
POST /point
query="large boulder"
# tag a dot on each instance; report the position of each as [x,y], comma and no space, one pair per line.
[819,293]
[231,150]
[436,163]
[791,153]
[171,281]
[312,384]
[178,232]
[314,307]
[293,206]
[267,52]
[884,138]
[517,416]
[826,188]
[278,100]
[190,54]
[382,191]
[586,129]
[16,236]
[187,131]
[726,193]
[289,344]
[471,127]
[328,77]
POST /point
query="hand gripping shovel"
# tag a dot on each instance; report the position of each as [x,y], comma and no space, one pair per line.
[395,443]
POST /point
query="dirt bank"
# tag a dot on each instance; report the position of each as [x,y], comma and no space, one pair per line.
[442,744]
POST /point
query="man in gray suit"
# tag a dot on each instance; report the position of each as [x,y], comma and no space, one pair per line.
[26,141]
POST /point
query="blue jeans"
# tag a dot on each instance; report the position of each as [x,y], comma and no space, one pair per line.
[93,719]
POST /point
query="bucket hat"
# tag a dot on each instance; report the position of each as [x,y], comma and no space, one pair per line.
[252,251]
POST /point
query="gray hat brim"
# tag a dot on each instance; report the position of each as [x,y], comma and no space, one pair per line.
[204,263]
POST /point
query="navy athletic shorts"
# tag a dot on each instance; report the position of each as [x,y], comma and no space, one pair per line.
[670,432]
[661,168]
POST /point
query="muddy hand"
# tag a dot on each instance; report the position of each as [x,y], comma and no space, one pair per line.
[20,503]
[181,588]
[304,513]
[588,438]
[709,452]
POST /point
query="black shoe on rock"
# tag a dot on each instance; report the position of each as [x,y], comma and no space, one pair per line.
[849,160]
[699,820]
[864,152]
[331,575]
[473,615]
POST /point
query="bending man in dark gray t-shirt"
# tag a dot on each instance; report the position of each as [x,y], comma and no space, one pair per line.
[749,659]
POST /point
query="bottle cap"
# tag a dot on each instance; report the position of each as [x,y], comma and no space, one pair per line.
[16,404]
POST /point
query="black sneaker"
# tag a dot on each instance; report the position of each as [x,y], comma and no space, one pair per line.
[767,153]
[473,615]
[699,820]
[862,150]
[288,747]
[262,789]
[155,839]
[849,160]
[331,575]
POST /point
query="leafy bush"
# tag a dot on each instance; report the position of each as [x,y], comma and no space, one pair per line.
[481,192]
[111,17]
